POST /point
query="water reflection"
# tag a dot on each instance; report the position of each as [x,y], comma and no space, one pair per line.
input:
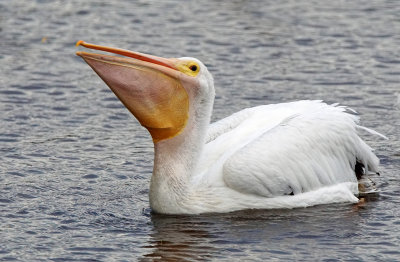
[180,238]
[217,236]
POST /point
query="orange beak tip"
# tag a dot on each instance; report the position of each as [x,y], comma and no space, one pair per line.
[79,43]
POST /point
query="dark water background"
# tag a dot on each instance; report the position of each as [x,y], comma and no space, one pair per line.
[75,165]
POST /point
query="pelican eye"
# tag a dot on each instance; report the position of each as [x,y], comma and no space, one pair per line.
[190,68]
[193,68]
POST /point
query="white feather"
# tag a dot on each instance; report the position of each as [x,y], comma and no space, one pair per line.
[259,157]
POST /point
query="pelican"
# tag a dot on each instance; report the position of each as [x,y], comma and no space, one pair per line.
[286,155]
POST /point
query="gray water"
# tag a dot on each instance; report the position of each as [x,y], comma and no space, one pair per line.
[75,165]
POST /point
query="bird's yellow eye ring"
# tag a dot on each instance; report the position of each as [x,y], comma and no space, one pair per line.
[193,68]
[190,68]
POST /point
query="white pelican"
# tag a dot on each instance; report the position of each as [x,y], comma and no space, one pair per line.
[286,155]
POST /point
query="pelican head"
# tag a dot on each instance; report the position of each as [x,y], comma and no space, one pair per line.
[162,93]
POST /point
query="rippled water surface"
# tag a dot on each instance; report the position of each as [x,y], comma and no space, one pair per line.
[75,165]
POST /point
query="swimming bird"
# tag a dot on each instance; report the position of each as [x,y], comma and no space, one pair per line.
[286,155]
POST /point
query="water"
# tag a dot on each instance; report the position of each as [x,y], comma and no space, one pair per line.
[75,165]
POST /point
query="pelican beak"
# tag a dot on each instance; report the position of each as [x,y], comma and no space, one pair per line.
[147,85]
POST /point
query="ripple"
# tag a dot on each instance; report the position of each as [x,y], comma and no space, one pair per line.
[15,173]
[26,196]
[57,213]
[32,87]
[90,176]
[92,249]
[60,108]
[11,92]
[304,41]
[6,201]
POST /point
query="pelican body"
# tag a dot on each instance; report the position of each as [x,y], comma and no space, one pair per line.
[285,155]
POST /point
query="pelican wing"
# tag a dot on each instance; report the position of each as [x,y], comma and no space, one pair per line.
[311,146]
